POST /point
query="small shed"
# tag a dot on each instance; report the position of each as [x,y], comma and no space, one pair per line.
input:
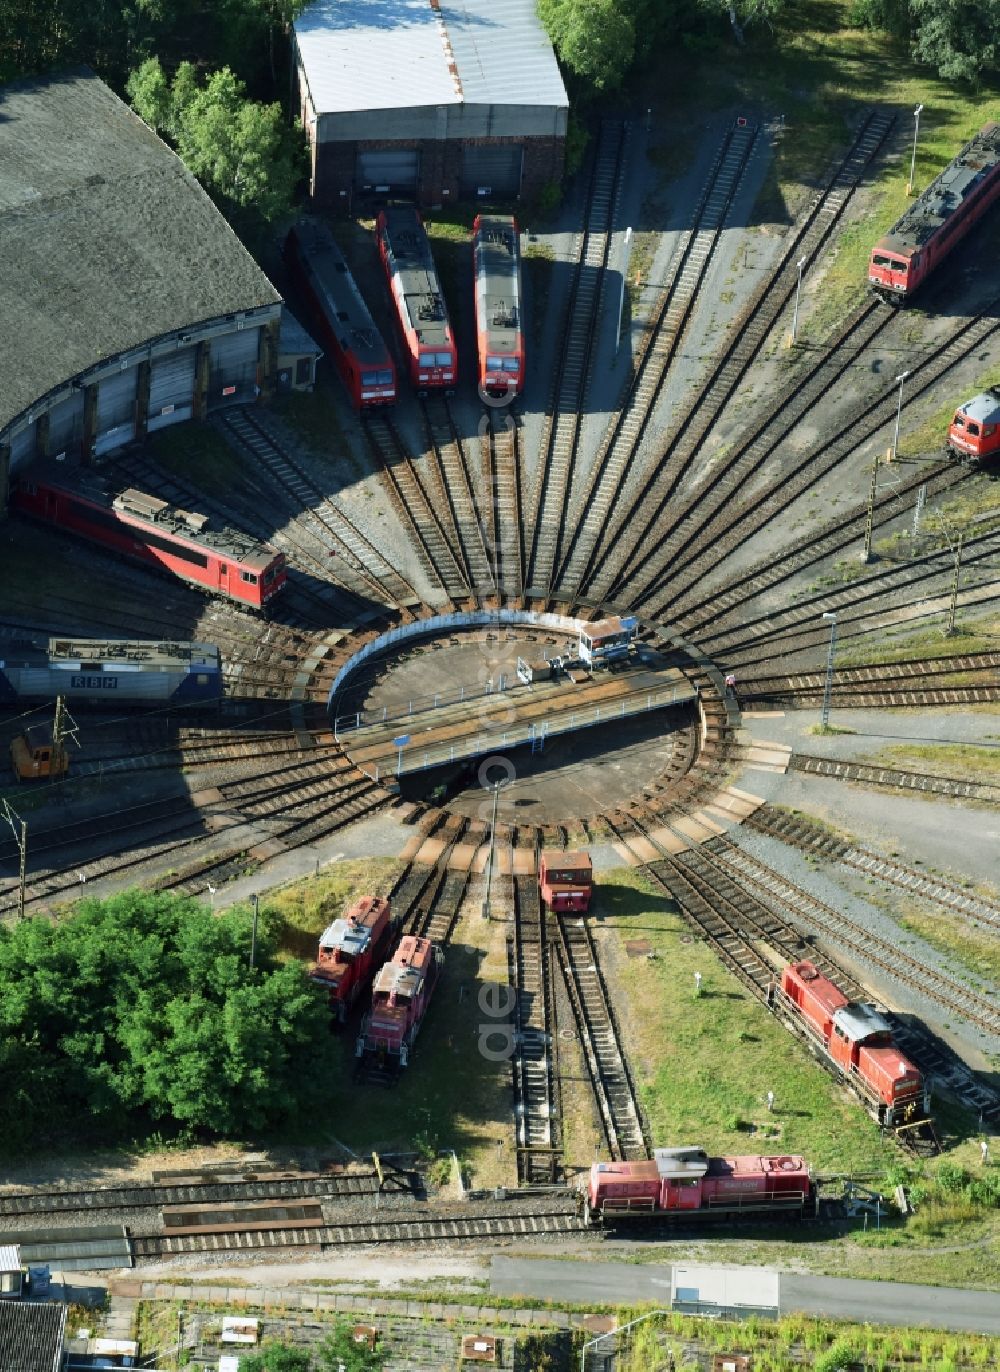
[725,1292]
[240,1329]
[298,354]
[480,1348]
[11,1273]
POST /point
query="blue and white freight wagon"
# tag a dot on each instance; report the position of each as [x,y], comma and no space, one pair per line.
[109,673]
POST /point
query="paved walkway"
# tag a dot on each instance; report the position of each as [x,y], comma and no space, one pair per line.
[878,1302]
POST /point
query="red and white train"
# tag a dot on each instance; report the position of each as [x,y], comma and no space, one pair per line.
[685,1183]
[496,261]
[417,298]
[939,219]
[350,949]
[857,1040]
[342,318]
[223,561]
[565,881]
[400,997]
[974,435]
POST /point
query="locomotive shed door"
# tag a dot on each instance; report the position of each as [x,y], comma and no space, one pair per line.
[491,173]
[171,387]
[232,376]
[66,424]
[389,169]
[116,410]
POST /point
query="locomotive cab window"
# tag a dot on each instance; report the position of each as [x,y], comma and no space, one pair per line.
[427,359]
[201,678]
[973,428]
[385,378]
[443,359]
[511,364]
[959,420]
[495,364]
[369,378]
[249,577]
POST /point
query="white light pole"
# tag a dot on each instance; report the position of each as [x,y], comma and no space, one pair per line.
[899,411]
[621,298]
[913,159]
[611,1332]
[798,291]
[831,616]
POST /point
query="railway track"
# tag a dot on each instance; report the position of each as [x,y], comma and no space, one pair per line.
[378,576]
[458,494]
[52,1201]
[571,373]
[502,480]
[820,843]
[534,1064]
[628,531]
[688,269]
[604,1054]
[735,520]
[441,1228]
[415,506]
[909,676]
[895,778]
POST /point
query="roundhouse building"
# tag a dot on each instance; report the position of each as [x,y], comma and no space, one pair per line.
[437,100]
[128,302]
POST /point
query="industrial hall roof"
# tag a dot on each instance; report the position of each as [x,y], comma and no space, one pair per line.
[31,1336]
[107,241]
[398,54]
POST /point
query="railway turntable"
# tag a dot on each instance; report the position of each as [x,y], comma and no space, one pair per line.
[470,724]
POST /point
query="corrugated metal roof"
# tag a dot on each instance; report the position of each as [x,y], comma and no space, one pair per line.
[10,1257]
[31,1336]
[398,54]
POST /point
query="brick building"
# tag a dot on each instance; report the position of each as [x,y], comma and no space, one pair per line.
[438,100]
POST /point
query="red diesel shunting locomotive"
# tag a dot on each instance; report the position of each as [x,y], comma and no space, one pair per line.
[345,323]
[496,262]
[938,219]
[417,299]
[974,436]
[223,561]
[565,881]
[858,1040]
[687,1183]
[350,949]
[400,997]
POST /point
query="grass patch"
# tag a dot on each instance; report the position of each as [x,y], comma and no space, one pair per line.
[538,264]
[704,1064]
[307,907]
[198,453]
[317,419]
[977,635]
[967,761]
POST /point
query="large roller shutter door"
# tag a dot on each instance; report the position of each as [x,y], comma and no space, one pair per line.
[171,388]
[233,367]
[492,173]
[116,410]
[66,423]
[22,446]
[389,169]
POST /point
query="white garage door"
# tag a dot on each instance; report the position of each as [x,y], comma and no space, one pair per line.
[66,424]
[233,368]
[389,169]
[171,388]
[116,410]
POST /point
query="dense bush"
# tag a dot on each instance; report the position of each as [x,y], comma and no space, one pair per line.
[141,1012]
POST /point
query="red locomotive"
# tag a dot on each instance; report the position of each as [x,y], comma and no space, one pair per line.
[974,435]
[223,561]
[400,997]
[499,333]
[858,1040]
[417,299]
[566,881]
[938,219]
[357,348]
[686,1183]
[349,951]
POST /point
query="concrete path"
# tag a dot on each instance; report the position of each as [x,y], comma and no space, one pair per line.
[876,1302]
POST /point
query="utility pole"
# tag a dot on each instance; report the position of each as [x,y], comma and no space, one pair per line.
[64,728]
[798,291]
[621,298]
[913,159]
[493,849]
[866,555]
[918,509]
[954,588]
[831,616]
[20,832]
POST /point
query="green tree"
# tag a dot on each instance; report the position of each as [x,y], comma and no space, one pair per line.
[960,38]
[743,12]
[595,39]
[241,151]
[277,1357]
[339,1349]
